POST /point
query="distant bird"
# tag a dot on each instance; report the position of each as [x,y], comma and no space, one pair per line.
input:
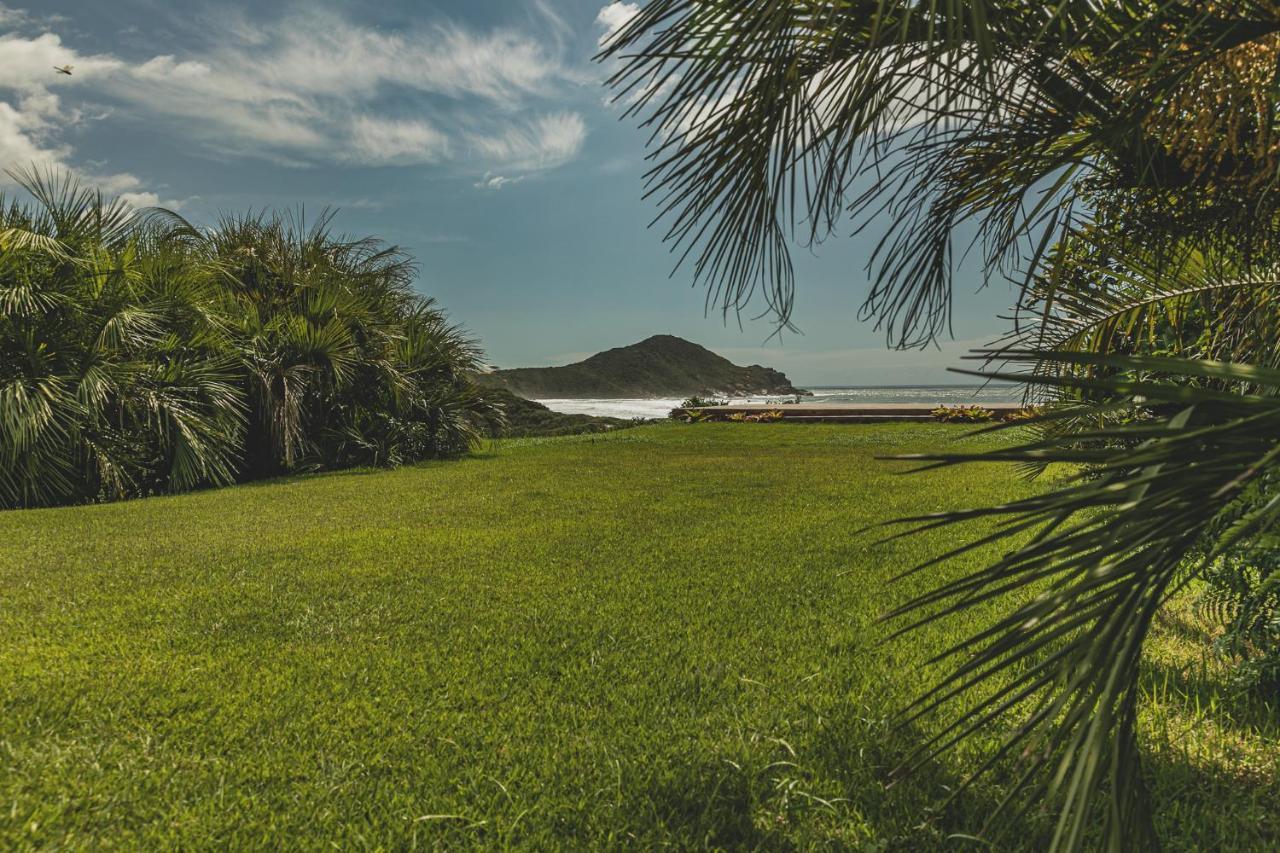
[63,69]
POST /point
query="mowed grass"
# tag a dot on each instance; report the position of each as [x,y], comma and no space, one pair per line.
[662,637]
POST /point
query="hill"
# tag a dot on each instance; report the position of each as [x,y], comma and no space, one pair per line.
[660,366]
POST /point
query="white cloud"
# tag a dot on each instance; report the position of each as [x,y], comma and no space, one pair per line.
[307,89]
[494,182]
[310,85]
[169,68]
[614,17]
[140,200]
[541,143]
[33,116]
[28,62]
[304,87]
[118,183]
[321,55]
[500,66]
[560,28]
[381,141]
[20,138]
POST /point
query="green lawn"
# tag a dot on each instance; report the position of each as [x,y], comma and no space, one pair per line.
[664,636]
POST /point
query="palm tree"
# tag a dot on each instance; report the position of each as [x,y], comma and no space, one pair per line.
[418,401]
[141,354]
[114,381]
[1119,160]
[344,363]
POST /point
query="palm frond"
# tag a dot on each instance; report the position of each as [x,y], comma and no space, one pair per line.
[1111,546]
[768,117]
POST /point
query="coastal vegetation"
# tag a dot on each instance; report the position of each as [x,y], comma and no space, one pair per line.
[696,402]
[965,414]
[1118,162]
[659,637]
[141,354]
[529,419]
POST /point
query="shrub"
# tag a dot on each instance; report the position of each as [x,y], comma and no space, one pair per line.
[963,414]
[688,411]
[1243,594]
[696,402]
[142,354]
[1028,413]
[694,416]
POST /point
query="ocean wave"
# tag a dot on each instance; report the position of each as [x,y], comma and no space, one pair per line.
[937,394]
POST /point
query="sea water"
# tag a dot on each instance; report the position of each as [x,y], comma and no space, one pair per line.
[951,395]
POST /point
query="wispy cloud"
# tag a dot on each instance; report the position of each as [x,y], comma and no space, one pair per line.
[307,88]
[390,141]
[542,142]
[494,182]
[14,18]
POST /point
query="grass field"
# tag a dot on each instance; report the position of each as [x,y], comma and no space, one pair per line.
[665,636]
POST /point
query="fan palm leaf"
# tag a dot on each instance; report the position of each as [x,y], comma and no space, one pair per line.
[144,354]
[86,314]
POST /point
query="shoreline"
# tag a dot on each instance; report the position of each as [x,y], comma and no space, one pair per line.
[930,396]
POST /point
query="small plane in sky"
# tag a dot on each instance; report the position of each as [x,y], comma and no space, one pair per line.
[63,69]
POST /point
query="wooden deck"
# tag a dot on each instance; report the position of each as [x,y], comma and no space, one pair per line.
[855,412]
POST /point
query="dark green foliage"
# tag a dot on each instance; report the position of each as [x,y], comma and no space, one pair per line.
[116,376]
[1113,548]
[1243,594]
[145,355]
[688,412]
[770,118]
[660,366]
[702,402]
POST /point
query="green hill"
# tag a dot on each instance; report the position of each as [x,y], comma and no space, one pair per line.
[660,366]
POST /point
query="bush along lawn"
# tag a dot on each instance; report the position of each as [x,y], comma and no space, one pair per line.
[144,355]
[661,636]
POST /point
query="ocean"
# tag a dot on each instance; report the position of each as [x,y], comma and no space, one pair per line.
[949,394]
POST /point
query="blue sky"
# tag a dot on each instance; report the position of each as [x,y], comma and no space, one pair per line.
[475,134]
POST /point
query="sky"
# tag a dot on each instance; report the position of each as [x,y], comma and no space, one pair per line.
[476,134]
